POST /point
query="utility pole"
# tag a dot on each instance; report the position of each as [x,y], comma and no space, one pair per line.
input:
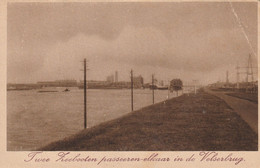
[85,93]
[132,92]
[250,72]
[195,86]
[237,76]
[249,69]
[168,89]
[153,86]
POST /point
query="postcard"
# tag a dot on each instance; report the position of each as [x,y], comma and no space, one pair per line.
[129,84]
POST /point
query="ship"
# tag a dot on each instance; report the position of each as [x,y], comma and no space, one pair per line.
[66,90]
[158,87]
[48,89]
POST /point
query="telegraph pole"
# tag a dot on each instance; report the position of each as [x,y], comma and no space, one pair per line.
[153,86]
[195,86]
[132,92]
[237,76]
[250,69]
[85,93]
[168,89]
[250,72]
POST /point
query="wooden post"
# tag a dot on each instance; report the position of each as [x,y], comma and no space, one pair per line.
[169,89]
[237,77]
[168,93]
[85,94]
[153,86]
[132,93]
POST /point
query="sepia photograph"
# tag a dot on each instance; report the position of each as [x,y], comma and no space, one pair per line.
[132,76]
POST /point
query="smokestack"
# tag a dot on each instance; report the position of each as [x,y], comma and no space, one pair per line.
[227,81]
[116,76]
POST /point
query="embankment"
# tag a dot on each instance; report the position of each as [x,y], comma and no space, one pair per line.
[186,123]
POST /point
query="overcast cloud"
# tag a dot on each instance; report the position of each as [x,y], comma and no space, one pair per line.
[47,41]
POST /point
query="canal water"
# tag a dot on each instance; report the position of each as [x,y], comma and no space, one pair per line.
[35,119]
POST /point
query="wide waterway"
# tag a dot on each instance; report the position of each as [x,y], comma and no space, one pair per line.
[35,119]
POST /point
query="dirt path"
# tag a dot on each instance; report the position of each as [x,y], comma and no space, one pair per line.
[246,109]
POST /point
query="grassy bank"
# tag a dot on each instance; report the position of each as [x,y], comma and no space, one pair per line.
[187,123]
[253,97]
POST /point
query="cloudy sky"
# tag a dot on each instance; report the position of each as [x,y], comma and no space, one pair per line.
[48,41]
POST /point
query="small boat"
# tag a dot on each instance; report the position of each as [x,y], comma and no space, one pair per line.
[158,87]
[66,90]
[162,87]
